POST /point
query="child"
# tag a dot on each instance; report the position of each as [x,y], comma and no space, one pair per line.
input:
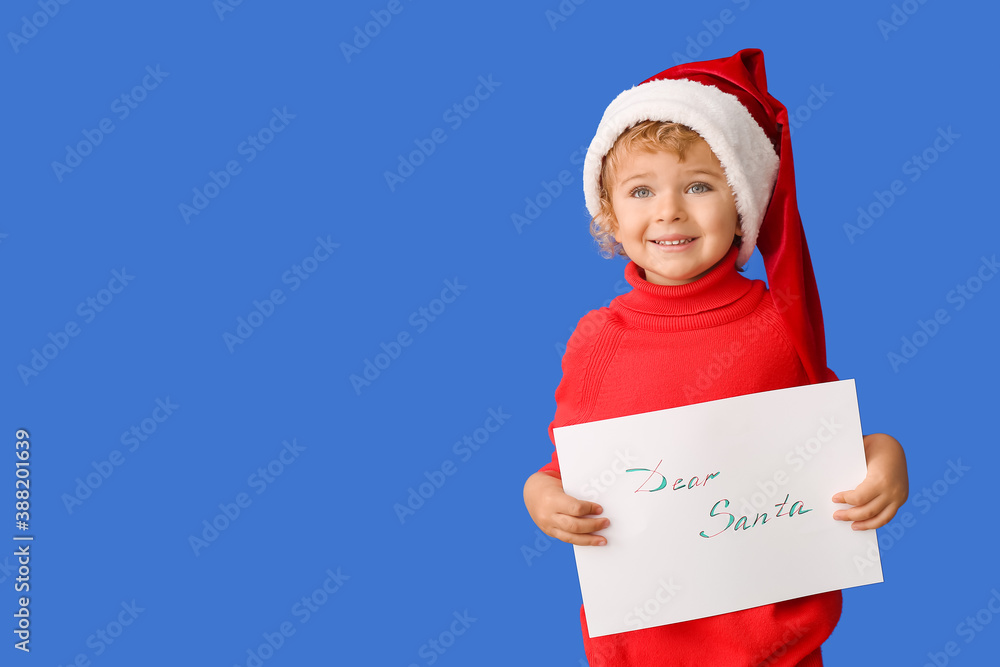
[689,172]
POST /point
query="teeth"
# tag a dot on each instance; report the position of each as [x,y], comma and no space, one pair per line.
[673,242]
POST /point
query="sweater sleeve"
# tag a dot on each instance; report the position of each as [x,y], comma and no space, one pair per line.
[570,395]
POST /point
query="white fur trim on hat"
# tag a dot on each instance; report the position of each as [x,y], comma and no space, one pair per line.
[734,136]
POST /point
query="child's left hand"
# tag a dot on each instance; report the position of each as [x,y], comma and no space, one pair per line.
[884,489]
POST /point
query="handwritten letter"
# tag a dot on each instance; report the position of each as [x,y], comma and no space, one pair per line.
[728,501]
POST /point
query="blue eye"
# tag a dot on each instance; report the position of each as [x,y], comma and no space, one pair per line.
[701,185]
[641,188]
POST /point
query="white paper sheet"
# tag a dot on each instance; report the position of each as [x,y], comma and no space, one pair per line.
[659,476]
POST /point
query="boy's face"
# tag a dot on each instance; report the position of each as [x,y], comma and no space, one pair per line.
[656,197]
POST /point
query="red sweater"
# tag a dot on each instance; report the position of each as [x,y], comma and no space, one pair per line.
[660,347]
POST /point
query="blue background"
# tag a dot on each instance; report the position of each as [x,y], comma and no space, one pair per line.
[496,346]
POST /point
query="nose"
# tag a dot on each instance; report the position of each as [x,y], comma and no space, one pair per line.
[670,206]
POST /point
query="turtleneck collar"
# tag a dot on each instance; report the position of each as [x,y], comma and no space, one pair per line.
[720,296]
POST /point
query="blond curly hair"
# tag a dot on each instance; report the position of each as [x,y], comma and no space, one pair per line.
[649,135]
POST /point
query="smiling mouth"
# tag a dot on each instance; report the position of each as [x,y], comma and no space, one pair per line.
[669,243]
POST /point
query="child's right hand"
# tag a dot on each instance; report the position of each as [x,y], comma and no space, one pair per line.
[560,515]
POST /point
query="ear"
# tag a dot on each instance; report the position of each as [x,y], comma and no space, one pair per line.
[739,226]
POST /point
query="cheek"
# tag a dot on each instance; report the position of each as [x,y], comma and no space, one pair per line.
[725,220]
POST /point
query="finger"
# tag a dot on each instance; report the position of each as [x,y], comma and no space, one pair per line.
[860,496]
[576,507]
[580,539]
[879,520]
[862,512]
[572,524]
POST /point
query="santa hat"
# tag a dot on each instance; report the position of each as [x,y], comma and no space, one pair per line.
[727,103]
